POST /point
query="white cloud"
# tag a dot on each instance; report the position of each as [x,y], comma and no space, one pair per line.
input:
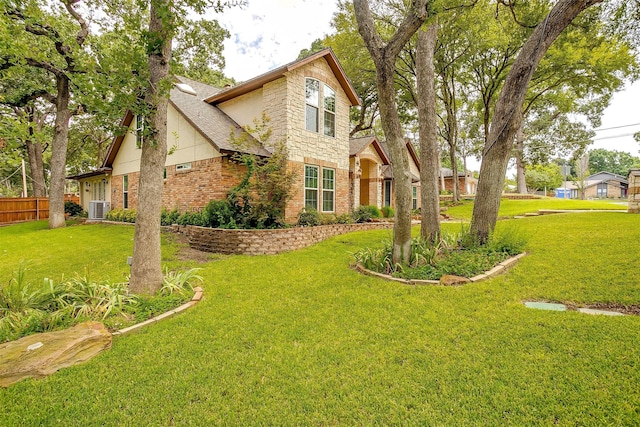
[270,33]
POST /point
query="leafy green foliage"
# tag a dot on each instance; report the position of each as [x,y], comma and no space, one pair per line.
[614,161]
[192,218]
[366,213]
[26,308]
[455,253]
[122,215]
[539,177]
[308,217]
[388,212]
[259,200]
[72,208]
[168,217]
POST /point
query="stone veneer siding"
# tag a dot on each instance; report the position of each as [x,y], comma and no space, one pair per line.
[266,242]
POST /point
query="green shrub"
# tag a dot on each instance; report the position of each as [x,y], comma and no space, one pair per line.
[168,217]
[192,218]
[72,208]
[308,218]
[388,212]
[219,214]
[454,253]
[366,213]
[344,219]
[327,219]
[122,215]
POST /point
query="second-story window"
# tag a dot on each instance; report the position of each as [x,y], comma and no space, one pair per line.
[312,95]
[320,111]
[139,130]
[329,111]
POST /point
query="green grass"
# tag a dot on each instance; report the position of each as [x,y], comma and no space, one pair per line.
[509,208]
[301,339]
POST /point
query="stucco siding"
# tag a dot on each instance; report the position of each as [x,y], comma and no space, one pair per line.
[245,108]
[184,142]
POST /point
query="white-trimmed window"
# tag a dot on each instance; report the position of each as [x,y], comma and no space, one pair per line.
[320,101]
[319,190]
[139,130]
[414,197]
[387,192]
[329,99]
[183,167]
[328,189]
[311,187]
[125,192]
[312,99]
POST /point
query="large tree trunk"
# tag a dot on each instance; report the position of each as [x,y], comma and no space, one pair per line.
[429,154]
[59,153]
[384,56]
[507,117]
[34,152]
[146,270]
[519,153]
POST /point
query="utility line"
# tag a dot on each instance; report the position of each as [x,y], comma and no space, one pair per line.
[616,127]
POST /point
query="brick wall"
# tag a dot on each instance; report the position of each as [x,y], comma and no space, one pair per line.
[209,179]
[266,242]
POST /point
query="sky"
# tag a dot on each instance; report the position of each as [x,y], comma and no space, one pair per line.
[269,33]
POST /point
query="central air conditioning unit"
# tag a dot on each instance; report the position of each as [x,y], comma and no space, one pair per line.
[98,209]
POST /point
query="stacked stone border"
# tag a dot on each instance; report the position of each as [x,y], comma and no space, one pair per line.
[266,242]
[197,296]
[498,269]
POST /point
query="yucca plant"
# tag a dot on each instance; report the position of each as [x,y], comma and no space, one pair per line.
[179,281]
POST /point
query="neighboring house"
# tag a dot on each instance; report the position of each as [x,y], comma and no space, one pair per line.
[467,184]
[372,173]
[602,185]
[308,103]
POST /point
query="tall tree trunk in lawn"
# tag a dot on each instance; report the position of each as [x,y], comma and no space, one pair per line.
[58,161]
[519,154]
[146,270]
[384,56]
[429,153]
[507,117]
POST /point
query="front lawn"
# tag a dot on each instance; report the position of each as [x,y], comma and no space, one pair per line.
[301,339]
[510,208]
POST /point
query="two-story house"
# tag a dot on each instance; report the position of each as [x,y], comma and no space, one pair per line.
[308,103]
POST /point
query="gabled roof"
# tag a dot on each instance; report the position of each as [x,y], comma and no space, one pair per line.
[410,149]
[213,124]
[605,176]
[358,145]
[261,80]
[448,173]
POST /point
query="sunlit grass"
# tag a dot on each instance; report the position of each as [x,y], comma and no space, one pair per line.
[301,339]
[509,208]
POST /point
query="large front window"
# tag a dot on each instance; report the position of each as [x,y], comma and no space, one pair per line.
[602,190]
[328,189]
[315,185]
[311,187]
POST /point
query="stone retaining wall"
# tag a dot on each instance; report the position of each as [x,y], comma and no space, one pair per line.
[266,242]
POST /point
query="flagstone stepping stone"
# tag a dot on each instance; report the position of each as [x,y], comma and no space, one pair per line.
[39,355]
[546,306]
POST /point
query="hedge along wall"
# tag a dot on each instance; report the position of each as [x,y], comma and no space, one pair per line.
[266,242]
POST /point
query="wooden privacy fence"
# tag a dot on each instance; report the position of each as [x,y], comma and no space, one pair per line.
[23,209]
